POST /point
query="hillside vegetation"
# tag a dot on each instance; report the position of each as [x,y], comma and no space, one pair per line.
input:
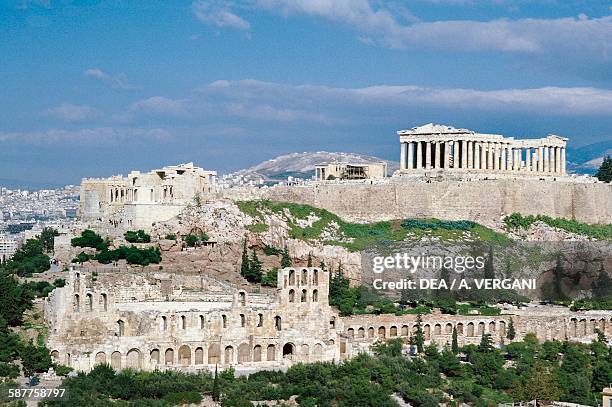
[309,223]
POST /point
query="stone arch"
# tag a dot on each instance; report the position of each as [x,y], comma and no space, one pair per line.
[154,354]
[331,342]
[448,328]
[315,295]
[315,277]
[134,359]
[202,321]
[351,333]
[55,356]
[459,327]
[502,328]
[291,277]
[303,296]
[470,329]
[164,323]
[602,325]
[116,360]
[271,353]
[573,327]
[304,277]
[361,333]
[593,325]
[382,332]
[305,350]
[427,332]
[184,355]
[169,356]
[242,320]
[405,330]
[244,353]
[492,327]
[278,323]
[100,358]
[318,351]
[199,356]
[292,295]
[481,328]
[77,303]
[437,329]
[89,302]
[229,355]
[224,321]
[583,327]
[288,350]
[120,328]
[104,302]
[257,353]
[393,331]
[370,332]
[259,320]
[183,322]
[214,354]
[242,298]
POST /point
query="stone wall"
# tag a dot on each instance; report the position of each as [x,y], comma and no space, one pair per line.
[483,201]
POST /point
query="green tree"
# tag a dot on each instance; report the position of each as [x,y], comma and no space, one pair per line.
[255,269]
[216,391]
[541,384]
[285,259]
[485,343]
[244,266]
[511,333]
[15,299]
[309,263]
[419,337]
[604,173]
[47,238]
[35,359]
[455,343]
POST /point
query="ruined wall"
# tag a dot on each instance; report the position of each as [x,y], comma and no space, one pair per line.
[157,320]
[479,200]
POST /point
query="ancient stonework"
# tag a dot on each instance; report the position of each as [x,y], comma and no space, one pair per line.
[161,320]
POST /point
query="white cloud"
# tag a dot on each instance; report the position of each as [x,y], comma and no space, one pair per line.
[118,81]
[161,106]
[72,113]
[90,136]
[576,101]
[391,25]
[218,13]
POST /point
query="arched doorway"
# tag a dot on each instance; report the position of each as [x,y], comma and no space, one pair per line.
[288,351]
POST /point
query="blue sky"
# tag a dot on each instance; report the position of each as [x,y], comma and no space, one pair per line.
[98,87]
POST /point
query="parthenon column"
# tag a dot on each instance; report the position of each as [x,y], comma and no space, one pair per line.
[477,155]
[487,159]
[437,155]
[503,159]
[403,147]
[528,158]
[456,154]
[470,155]
[546,160]
[410,156]
[540,159]
[428,155]
[419,158]
[558,160]
[563,163]
[517,158]
[464,154]
[496,156]
[446,154]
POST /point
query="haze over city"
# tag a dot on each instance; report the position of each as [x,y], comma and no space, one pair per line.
[93,88]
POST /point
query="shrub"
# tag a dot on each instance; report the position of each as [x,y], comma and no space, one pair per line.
[170,236]
[137,237]
[89,238]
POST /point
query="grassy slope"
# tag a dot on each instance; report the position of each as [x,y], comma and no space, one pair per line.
[363,235]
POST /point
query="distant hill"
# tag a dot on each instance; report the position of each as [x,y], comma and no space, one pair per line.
[587,159]
[301,165]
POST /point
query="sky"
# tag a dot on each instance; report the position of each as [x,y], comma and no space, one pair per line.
[92,88]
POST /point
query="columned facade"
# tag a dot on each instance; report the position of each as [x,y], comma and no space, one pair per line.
[436,148]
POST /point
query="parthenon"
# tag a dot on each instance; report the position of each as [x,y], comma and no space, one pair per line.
[436,148]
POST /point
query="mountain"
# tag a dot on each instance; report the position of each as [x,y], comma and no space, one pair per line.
[299,165]
[587,159]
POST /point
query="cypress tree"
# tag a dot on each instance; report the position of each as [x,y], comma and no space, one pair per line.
[286,259]
[511,334]
[604,173]
[244,267]
[216,392]
[455,343]
[419,338]
[309,264]
[255,269]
